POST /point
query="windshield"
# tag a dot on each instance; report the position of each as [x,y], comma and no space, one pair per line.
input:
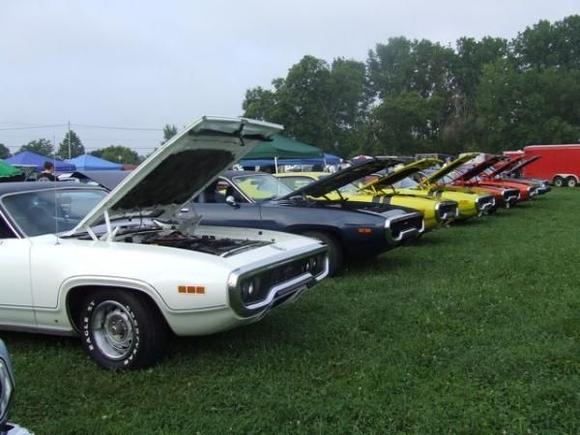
[406,183]
[51,211]
[296,182]
[261,187]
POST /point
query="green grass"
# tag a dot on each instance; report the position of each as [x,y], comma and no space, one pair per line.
[474,329]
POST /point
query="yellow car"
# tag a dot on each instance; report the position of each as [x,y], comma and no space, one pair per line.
[470,203]
[435,212]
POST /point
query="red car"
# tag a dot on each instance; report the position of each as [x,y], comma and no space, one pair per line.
[445,176]
[475,176]
[511,168]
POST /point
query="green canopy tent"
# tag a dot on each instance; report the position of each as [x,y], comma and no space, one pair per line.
[8,171]
[282,147]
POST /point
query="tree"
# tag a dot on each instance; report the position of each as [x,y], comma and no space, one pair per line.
[547,45]
[416,95]
[168,132]
[518,108]
[40,146]
[118,154]
[472,56]
[317,103]
[71,146]
[407,124]
[4,151]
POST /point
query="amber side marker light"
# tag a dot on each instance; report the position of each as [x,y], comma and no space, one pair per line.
[191,289]
[364,230]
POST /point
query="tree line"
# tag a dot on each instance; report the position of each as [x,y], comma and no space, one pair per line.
[412,96]
[71,146]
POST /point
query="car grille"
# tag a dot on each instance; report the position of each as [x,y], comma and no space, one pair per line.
[405,225]
[447,210]
[257,287]
[485,202]
[511,195]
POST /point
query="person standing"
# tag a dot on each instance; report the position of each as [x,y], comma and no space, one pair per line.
[48,173]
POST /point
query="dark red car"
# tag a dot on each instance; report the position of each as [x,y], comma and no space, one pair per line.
[512,169]
[445,176]
[475,176]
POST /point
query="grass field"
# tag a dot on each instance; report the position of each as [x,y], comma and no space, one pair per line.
[474,329]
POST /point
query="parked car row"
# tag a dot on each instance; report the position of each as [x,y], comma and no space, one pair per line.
[184,246]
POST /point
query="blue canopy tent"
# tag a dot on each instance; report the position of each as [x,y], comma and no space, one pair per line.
[30,159]
[328,159]
[87,162]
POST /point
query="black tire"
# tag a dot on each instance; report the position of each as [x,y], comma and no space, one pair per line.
[571,182]
[146,333]
[335,253]
[558,181]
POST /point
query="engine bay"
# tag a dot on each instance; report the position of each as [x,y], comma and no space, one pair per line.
[223,247]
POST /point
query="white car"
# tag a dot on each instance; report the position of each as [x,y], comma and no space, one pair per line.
[124,269]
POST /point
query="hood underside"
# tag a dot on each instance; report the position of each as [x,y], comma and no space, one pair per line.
[401,173]
[478,169]
[505,165]
[181,168]
[437,175]
[343,177]
[523,164]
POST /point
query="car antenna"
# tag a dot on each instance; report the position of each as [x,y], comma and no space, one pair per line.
[55,201]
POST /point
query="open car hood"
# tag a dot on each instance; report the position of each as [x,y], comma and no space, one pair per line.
[522,164]
[437,175]
[505,165]
[401,173]
[107,179]
[180,169]
[479,168]
[343,177]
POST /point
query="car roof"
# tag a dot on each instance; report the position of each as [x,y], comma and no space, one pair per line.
[27,186]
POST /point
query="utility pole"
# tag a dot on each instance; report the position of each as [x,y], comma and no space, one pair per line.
[69,153]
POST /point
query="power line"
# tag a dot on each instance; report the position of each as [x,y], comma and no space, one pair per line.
[102,127]
[105,127]
[30,127]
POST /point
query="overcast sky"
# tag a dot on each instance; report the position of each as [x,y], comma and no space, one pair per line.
[147,63]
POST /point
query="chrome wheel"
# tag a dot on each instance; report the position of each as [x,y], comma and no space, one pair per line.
[113,328]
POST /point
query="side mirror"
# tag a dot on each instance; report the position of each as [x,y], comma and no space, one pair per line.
[232,201]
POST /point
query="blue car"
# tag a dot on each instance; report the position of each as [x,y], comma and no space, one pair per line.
[351,230]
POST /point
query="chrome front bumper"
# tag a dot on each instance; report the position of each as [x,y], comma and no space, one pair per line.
[285,291]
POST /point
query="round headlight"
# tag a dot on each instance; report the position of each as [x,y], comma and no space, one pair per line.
[247,289]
